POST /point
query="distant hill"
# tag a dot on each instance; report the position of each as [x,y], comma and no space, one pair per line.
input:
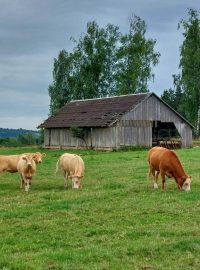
[14,133]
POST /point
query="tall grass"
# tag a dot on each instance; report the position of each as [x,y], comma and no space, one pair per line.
[116,221]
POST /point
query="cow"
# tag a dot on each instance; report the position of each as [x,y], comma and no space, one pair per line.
[37,156]
[9,163]
[73,167]
[166,163]
[26,167]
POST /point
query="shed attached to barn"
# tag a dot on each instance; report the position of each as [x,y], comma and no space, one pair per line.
[115,122]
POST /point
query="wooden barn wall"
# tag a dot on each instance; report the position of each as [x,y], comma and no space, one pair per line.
[61,137]
[46,137]
[132,133]
[153,109]
[102,138]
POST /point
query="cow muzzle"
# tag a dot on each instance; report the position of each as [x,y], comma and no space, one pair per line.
[76,183]
[186,185]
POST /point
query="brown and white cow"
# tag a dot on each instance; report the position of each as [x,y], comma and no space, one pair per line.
[9,162]
[26,167]
[73,167]
[167,163]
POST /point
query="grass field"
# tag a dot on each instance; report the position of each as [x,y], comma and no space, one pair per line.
[116,221]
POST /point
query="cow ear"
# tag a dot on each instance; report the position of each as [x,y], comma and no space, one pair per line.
[34,156]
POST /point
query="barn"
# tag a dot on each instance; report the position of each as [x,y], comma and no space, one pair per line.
[116,122]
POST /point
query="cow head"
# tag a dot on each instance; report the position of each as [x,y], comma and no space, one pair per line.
[76,182]
[186,183]
[38,157]
[29,160]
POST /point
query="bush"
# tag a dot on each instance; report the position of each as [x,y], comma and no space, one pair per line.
[22,140]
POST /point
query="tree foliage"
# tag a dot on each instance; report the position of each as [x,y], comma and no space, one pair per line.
[185,97]
[21,140]
[136,58]
[174,97]
[79,133]
[104,62]
[190,64]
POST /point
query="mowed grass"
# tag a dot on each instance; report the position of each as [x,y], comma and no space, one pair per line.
[116,221]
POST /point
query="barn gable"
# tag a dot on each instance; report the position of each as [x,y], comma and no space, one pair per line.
[114,122]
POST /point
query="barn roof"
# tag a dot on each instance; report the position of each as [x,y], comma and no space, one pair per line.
[99,112]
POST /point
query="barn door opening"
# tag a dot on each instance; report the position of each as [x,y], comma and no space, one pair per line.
[165,134]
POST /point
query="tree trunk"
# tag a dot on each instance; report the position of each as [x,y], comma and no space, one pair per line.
[198,122]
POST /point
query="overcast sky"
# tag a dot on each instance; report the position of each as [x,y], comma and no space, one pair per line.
[32,32]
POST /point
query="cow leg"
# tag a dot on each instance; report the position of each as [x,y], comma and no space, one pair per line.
[156,180]
[65,180]
[149,174]
[22,181]
[155,177]
[163,180]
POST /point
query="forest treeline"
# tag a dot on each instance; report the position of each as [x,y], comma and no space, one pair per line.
[14,133]
[20,137]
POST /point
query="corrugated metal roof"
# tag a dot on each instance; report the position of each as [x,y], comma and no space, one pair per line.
[100,112]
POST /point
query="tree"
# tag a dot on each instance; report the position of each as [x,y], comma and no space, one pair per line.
[26,139]
[89,71]
[60,91]
[97,50]
[190,67]
[136,59]
[103,62]
[79,133]
[174,97]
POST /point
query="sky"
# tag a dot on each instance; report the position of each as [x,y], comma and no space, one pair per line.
[33,32]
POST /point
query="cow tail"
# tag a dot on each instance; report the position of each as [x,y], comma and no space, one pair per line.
[57,166]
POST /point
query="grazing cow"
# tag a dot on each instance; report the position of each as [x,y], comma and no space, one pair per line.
[26,167]
[167,163]
[9,163]
[73,166]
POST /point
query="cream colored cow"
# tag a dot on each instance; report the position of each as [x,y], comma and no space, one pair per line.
[26,167]
[73,167]
[37,156]
[8,163]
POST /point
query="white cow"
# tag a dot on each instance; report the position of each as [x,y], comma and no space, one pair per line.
[73,167]
[26,168]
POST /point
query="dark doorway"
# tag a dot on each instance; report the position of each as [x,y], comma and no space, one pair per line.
[165,134]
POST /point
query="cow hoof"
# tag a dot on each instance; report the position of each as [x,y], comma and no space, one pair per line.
[155,185]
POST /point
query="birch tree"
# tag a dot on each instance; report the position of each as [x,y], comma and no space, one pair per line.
[136,58]
[190,67]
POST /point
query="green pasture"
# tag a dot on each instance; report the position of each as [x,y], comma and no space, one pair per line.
[116,221]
